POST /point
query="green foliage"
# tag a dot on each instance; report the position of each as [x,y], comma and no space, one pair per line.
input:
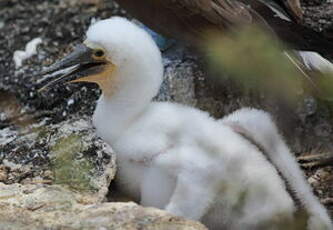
[325,83]
[257,61]
[67,168]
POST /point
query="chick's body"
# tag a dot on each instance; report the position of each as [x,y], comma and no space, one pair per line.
[225,175]
[178,158]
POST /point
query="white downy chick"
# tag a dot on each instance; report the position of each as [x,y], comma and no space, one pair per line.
[178,158]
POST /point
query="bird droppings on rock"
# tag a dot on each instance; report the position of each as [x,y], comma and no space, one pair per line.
[70,102]
[30,49]
[6,136]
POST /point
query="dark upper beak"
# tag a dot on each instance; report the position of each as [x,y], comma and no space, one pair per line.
[80,63]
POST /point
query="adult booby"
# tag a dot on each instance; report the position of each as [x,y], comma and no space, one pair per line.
[190,19]
[178,158]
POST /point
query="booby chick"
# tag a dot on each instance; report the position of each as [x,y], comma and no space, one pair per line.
[178,158]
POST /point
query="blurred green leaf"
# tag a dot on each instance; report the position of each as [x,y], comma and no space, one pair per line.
[257,61]
[325,84]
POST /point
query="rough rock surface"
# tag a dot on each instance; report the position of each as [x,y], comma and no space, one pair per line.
[44,137]
[66,153]
[318,15]
[54,207]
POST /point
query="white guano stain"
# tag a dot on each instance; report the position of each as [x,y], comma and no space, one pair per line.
[30,50]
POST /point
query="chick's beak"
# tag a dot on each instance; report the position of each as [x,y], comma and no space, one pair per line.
[78,65]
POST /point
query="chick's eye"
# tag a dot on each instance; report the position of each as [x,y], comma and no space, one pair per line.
[99,53]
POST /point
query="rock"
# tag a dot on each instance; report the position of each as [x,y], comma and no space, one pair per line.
[3,173]
[318,15]
[66,153]
[35,150]
[55,207]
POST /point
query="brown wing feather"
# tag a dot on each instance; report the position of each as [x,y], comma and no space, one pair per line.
[294,6]
[188,20]
[216,12]
[233,12]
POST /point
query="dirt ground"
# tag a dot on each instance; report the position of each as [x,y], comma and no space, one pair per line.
[61,25]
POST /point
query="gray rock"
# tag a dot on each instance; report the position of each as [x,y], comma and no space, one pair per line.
[67,153]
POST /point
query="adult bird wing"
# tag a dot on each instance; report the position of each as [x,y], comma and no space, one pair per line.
[294,8]
[220,13]
[189,19]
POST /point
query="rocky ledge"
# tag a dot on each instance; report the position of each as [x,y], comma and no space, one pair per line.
[38,206]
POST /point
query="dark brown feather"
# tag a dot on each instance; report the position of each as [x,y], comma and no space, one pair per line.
[189,19]
[295,9]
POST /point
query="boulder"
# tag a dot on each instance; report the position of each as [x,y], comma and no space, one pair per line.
[40,206]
